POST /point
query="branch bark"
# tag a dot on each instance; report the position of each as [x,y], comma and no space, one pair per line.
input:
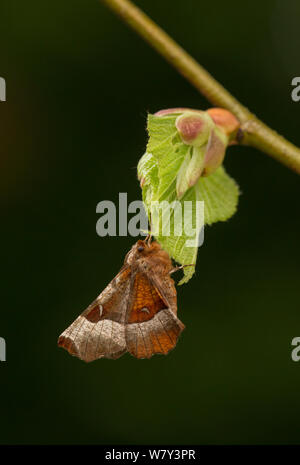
[253,131]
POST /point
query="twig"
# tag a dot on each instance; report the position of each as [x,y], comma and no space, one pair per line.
[253,131]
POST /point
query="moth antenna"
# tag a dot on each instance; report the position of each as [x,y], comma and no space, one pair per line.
[148,239]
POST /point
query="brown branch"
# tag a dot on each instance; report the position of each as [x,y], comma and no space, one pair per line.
[254,132]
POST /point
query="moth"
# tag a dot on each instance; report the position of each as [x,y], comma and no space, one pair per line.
[136,312]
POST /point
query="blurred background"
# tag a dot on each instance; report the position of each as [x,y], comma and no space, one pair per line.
[79,86]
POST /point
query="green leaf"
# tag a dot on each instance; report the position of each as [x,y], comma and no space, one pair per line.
[161,169]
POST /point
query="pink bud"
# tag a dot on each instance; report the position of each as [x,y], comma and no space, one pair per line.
[172,111]
[224,119]
[194,127]
[215,152]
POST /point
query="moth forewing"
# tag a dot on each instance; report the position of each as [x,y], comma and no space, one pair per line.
[99,331]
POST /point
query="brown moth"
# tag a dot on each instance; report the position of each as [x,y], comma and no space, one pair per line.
[136,312]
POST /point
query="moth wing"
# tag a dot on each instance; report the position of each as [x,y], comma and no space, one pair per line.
[152,327]
[166,289]
[100,330]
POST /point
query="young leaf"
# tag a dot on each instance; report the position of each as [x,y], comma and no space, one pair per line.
[165,171]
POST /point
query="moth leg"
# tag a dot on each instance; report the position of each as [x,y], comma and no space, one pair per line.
[177,268]
[148,239]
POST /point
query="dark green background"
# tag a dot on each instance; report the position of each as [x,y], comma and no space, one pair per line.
[79,86]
